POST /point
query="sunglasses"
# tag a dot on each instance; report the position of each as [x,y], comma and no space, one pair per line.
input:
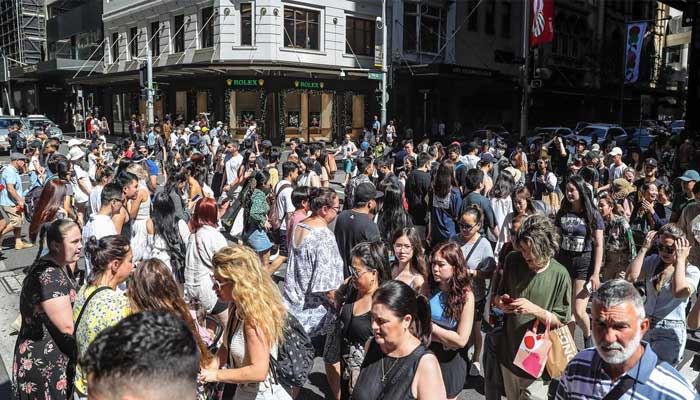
[356,275]
[218,285]
[467,227]
[666,249]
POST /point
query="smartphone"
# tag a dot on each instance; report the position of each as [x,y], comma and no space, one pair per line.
[589,287]
[507,300]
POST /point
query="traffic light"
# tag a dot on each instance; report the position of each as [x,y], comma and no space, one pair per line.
[143,75]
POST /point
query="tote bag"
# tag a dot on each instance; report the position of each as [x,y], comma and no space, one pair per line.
[563,350]
[534,350]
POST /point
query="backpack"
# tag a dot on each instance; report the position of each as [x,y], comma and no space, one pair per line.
[31,200]
[295,356]
[21,142]
[275,215]
[151,139]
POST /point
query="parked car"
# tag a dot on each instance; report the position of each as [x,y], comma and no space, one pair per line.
[580,125]
[677,126]
[601,132]
[37,121]
[640,137]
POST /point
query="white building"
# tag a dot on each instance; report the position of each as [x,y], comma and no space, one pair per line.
[296,68]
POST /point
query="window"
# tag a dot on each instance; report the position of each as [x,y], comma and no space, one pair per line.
[134,42]
[673,54]
[155,39]
[115,47]
[246,24]
[424,28]
[359,36]
[179,30]
[505,19]
[207,39]
[490,20]
[301,28]
[473,24]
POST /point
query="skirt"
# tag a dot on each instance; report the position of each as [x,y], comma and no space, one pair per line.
[258,240]
[453,365]
[139,239]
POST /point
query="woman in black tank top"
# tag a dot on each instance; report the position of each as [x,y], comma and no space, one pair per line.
[397,364]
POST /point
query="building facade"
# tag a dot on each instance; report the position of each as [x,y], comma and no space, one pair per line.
[296,69]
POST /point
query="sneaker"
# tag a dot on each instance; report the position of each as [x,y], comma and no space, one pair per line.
[475,369]
[23,245]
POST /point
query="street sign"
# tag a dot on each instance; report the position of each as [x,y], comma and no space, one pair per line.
[377,76]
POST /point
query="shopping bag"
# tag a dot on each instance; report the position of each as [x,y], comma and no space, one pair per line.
[563,350]
[534,350]
[552,200]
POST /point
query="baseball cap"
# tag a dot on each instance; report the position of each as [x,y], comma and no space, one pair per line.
[74,142]
[651,162]
[205,129]
[488,157]
[366,192]
[583,142]
[595,147]
[364,145]
[266,143]
[592,155]
[219,123]
[75,153]
[18,156]
[197,128]
[690,175]
[616,151]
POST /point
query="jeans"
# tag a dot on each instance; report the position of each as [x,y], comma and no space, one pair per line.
[667,339]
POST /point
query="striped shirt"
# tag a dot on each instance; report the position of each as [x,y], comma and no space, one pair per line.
[586,379]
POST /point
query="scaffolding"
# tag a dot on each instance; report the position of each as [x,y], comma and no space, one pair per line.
[23,31]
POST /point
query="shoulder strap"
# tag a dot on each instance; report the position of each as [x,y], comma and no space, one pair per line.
[466,259]
[624,385]
[82,310]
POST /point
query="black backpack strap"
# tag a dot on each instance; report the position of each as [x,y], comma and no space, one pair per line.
[82,310]
[624,385]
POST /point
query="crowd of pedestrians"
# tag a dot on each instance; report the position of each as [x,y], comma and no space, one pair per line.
[219,266]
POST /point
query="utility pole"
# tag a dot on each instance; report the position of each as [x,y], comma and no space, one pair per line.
[525,100]
[384,61]
[149,87]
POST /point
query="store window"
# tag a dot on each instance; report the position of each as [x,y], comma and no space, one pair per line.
[301,28]
[359,36]
[244,111]
[155,39]
[308,115]
[358,114]
[134,42]
[115,47]
[207,38]
[179,30]
[246,24]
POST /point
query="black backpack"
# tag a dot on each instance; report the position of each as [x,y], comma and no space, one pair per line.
[31,199]
[295,357]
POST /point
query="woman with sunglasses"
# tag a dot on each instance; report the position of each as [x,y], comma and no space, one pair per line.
[255,330]
[480,263]
[409,266]
[452,314]
[670,281]
[369,269]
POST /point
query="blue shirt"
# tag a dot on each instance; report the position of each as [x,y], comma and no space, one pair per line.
[585,378]
[437,311]
[151,167]
[10,176]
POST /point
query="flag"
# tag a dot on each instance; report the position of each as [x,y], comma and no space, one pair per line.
[633,50]
[542,22]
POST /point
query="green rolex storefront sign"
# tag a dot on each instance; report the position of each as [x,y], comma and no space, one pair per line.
[308,85]
[241,83]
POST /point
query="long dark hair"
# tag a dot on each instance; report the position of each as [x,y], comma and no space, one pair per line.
[459,285]
[50,201]
[402,300]
[418,260]
[257,181]
[392,215]
[444,178]
[504,185]
[586,202]
[375,257]
[103,251]
[165,225]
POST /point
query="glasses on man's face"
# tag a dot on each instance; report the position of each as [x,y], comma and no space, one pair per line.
[667,249]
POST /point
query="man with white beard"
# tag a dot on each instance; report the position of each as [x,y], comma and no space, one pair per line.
[621,366]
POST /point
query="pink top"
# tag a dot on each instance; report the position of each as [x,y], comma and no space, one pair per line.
[299,215]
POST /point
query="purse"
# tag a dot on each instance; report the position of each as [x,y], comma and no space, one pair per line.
[534,350]
[563,350]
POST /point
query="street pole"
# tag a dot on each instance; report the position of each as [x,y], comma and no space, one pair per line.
[149,88]
[385,27]
[621,114]
[525,100]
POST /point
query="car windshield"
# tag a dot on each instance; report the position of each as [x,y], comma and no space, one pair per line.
[591,131]
[36,123]
[677,124]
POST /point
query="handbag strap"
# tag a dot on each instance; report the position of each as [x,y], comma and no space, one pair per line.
[82,310]
[624,385]
[466,259]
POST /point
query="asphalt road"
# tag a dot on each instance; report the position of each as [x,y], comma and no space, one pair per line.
[12,262]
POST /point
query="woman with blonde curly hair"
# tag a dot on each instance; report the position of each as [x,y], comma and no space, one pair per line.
[255,328]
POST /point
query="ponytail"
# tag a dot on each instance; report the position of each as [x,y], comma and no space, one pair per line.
[422,322]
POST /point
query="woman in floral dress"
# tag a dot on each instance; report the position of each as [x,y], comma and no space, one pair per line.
[44,361]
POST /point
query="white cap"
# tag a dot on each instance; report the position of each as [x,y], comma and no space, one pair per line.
[197,128]
[219,123]
[616,151]
[74,142]
[75,153]
[595,147]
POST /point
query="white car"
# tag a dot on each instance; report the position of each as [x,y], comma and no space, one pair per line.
[601,132]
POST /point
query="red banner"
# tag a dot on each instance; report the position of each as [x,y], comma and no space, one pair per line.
[542,22]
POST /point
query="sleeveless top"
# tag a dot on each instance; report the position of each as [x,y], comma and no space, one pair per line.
[144,211]
[398,379]
[437,312]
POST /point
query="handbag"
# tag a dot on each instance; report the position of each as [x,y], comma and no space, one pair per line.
[534,350]
[563,350]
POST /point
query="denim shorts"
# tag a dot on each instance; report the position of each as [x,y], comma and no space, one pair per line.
[667,339]
[258,240]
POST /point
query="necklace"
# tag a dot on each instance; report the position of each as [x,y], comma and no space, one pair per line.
[384,374]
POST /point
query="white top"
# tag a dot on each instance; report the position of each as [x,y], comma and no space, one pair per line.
[98,226]
[615,172]
[231,168]
[201,247]
[156,247]
[80,196]
[92,165]
[96,199]
[284,202]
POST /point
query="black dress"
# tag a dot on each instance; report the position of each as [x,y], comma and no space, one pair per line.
[44,363]
[397,376]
